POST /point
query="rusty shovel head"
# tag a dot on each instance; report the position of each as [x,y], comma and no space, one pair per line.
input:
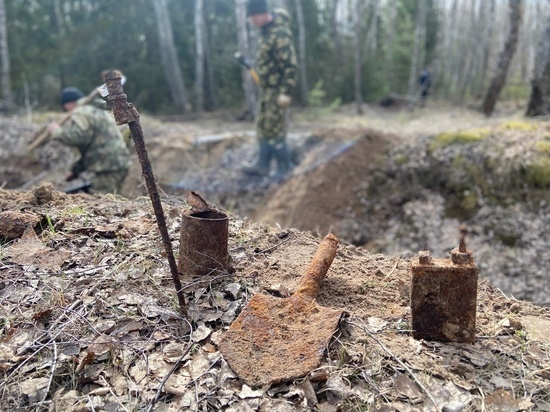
[275,340]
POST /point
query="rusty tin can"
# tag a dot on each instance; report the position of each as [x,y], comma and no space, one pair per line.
[203,246]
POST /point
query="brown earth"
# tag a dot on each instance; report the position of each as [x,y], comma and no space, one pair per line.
[328,189]
[89,318]
[89,321]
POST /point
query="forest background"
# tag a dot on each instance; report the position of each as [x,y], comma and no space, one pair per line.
[178,54]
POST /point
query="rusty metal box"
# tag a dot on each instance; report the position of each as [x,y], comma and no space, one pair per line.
[444,296]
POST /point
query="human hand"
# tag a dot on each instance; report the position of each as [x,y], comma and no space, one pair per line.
[70,176]
[284,100]
[52,126]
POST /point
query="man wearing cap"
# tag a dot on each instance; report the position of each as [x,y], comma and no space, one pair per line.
[93,131]
[277,68]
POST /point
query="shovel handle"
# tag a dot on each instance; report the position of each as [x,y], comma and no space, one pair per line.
[45,135]
[318,267]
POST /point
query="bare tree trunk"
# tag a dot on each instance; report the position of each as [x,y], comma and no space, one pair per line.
[390,41]
[59,29]
[302,52]
[199,58]
[244,48]
[358,81]
[505,58]
[487,18]
[372,31]
[452,40]
[5,82]
[469,58]
[419,40]
[169,57]
[338,48]
[539,102]
[211,80]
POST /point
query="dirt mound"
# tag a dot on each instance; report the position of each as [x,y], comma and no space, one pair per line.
[390,193]
[90,321]
[321,195]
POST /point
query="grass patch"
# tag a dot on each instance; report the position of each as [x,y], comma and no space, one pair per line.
[543,147]
[519,125]
[539,173]
[459,137]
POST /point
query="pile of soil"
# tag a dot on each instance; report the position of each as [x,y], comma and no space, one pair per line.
[390,192]
[90,321]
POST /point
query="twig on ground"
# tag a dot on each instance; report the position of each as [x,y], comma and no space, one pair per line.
[54,364]
[172,370]
[392,270]
[210,280]
[407,369]
[282,242]
[104,381]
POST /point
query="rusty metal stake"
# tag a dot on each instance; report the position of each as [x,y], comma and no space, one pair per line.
[126,113]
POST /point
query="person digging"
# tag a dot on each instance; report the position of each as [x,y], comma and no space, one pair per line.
[92,131]
[277,70]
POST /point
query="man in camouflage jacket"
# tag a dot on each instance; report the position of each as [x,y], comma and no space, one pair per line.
[277,69]
[94,133]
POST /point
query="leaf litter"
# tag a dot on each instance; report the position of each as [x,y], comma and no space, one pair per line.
[89,321]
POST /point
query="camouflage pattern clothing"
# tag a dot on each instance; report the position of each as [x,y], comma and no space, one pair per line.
[277,69]
[94,133]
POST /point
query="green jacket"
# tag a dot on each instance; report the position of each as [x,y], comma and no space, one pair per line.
[276,59]
[94,133]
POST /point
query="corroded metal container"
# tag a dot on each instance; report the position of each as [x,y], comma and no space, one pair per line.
[444,296]
[203,246]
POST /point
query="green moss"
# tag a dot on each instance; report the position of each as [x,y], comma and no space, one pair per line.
[543,147]
[76,210]
[401,159]
[469,202]
[459,137]
[519,125]
[538,173]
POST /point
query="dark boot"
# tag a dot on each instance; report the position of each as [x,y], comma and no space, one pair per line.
[282,156]
[261,167]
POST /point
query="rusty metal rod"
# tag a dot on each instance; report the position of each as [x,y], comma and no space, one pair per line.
[126,113]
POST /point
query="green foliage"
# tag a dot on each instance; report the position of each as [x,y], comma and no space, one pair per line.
[519,125]
[49,51]
[543,147]
[317,94]
[538,172]
[459,137]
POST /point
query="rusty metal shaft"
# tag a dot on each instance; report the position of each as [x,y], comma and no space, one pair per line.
[125,113]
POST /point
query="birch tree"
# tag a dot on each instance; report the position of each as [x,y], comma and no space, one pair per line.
[199,58]
[244,49]
[371,39]
[505,58]
[211,82]
[337,38]
[5,82]
[487,40]
[358,81]
[58,24]
[419,39]
[539,101]
[169,57]
[391,40]
[302,52]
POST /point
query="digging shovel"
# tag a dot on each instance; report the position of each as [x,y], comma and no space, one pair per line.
[45,133]
[275,340]
[244,61]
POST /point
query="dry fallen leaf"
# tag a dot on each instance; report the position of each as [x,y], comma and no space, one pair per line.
[29,250]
